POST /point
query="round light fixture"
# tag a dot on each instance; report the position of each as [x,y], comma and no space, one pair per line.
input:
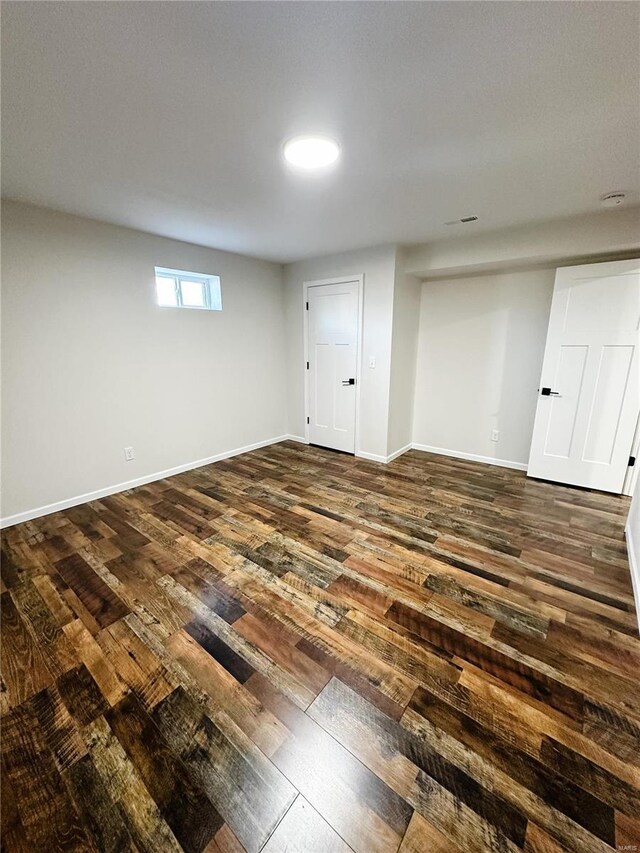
[311,152]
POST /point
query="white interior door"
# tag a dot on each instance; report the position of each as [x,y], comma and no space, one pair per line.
[590,387]
[332,317]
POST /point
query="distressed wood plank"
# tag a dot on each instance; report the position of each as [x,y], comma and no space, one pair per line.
[305,651]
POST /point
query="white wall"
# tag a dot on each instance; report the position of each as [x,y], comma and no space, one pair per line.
[378,266]
[91,364]
[404,346]
[480,347]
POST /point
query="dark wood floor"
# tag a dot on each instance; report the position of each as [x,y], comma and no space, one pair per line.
[295,650]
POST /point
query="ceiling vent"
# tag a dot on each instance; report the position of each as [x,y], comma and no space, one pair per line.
[463,221]
[613,199]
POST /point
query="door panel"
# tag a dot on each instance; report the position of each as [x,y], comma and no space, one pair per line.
[323,373]
[584,428]
[612,313]
[611,386]
[344,398]
[332,320]
[564,409]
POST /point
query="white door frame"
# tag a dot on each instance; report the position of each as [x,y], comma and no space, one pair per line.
[343,279]
[631,477]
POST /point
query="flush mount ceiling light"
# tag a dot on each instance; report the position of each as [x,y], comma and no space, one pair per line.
[311,152]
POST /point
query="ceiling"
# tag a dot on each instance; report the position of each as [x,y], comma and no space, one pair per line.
[170,117]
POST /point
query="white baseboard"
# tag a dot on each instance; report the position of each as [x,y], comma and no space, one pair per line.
[375,457]
[28,515]
[472,457]
[397,453]
[634,568]
[19,517]
[371,457]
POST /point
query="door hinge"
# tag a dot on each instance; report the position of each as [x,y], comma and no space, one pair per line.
[307,365]
[632,461]
[307,420]
[307,306]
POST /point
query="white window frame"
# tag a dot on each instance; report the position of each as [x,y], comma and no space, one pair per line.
[178,276]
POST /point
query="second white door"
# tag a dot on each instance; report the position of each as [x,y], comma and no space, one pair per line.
[590,387]
[332,317]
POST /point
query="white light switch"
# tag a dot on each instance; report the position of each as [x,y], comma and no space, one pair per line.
[129,454]
[372,361]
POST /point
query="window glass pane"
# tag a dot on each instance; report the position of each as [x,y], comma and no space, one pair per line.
[183,289]
[166,291]
[193,293]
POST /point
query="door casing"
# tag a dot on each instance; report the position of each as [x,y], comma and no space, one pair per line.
[631,478]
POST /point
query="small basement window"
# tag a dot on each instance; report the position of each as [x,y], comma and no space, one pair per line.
[180,289]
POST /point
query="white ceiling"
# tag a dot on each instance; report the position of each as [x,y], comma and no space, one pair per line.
[169,117]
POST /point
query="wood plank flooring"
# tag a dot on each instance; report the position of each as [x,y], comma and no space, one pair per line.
[295,650]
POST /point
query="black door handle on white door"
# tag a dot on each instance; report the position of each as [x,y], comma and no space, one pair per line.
[547,392]
[348,381]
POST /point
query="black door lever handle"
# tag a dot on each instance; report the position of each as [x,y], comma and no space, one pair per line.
[348,381]
[547,392]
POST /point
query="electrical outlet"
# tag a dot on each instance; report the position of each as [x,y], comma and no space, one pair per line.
[129,454]
[372,361]
[495,435]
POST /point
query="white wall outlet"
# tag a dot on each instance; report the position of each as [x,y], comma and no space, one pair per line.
[372,361]
[129,454]
[495,435]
